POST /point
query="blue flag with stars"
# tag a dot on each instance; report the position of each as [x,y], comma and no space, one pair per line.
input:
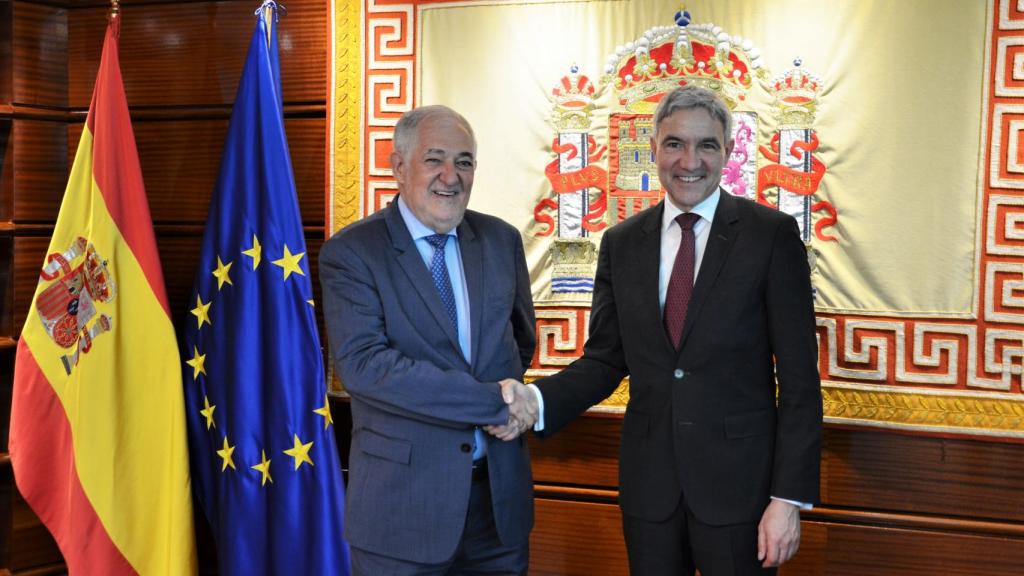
[264,462]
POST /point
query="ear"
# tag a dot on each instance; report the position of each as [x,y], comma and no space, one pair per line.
[654,147]
[729,145]
[398,166]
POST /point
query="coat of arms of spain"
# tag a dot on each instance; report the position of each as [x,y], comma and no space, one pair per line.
[77,279]
[604,171]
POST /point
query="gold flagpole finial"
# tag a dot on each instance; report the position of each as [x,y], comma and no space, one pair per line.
[115,7]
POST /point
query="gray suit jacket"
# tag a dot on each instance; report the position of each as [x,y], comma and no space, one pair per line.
[415,399]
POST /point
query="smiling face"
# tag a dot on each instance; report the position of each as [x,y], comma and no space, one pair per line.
[690,150]
[436,176]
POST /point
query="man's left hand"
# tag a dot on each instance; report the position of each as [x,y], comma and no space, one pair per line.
[778,534]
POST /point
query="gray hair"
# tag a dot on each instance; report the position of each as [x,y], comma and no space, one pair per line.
[689,97]
[405,129]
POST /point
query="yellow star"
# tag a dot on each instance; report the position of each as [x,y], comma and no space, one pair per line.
[208,412]
[325,411]
[202,312]
[264,468]
[198,363]
[222,273]
[225,455]
[255,252]
[299,451]
[290,263]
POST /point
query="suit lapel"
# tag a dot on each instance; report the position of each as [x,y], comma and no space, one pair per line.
[648,254]
[720,240]
[472,267]
[411,262]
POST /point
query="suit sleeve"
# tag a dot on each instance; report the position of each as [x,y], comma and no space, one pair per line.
[791,325]
[524,322]
[379,374]
[596,374]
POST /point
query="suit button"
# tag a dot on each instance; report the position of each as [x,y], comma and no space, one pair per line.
[678,374]
[465,448]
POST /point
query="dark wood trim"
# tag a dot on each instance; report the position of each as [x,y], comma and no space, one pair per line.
[153,113]
[5,459]
[7,343]
[915,522]
[48,570]
[165,229]
[189,112]
[30,112]
[8,229]
[27,229]
[597,495]
[824,514]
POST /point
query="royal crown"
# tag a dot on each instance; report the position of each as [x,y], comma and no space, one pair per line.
[574,101]
[669,56]
[796,96]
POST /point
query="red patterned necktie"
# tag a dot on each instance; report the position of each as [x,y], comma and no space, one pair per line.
[680,285]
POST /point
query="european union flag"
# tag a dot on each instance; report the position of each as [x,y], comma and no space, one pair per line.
[264,462]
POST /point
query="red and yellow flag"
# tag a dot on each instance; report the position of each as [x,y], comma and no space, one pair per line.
[98,439]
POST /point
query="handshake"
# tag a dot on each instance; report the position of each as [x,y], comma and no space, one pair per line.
[523,410]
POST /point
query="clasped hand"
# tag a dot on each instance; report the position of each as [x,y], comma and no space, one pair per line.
[522,410]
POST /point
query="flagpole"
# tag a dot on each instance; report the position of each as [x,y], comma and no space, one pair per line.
[268,7]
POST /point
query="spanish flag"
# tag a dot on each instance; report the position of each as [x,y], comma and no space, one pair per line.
[98,439]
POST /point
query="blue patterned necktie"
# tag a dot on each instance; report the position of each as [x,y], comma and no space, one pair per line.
[439,272]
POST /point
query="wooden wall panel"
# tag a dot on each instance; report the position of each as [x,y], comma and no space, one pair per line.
[6,379]
[6,289]
[192,54]
[952,482]
[181,159]
[6,51]
[577,539]
[28,258]
[6,168]
[306,138]
[585,453]
[179,256]
[580,538]
[885,471]
[880,551]
[181,64]
[810,560]
[860,469]
[32,547]
[40,151]
[40,66]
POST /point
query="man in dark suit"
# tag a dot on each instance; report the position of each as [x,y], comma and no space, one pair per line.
[428,310]
[693,300]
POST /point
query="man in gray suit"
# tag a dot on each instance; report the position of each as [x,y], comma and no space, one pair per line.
[429,311]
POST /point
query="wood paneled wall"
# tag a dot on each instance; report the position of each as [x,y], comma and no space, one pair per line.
[893,504]
[181,63]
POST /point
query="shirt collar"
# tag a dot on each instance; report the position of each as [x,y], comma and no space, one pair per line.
[706,209]
[416,228]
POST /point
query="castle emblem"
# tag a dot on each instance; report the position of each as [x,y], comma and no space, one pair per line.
[586,197]
[78,279]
